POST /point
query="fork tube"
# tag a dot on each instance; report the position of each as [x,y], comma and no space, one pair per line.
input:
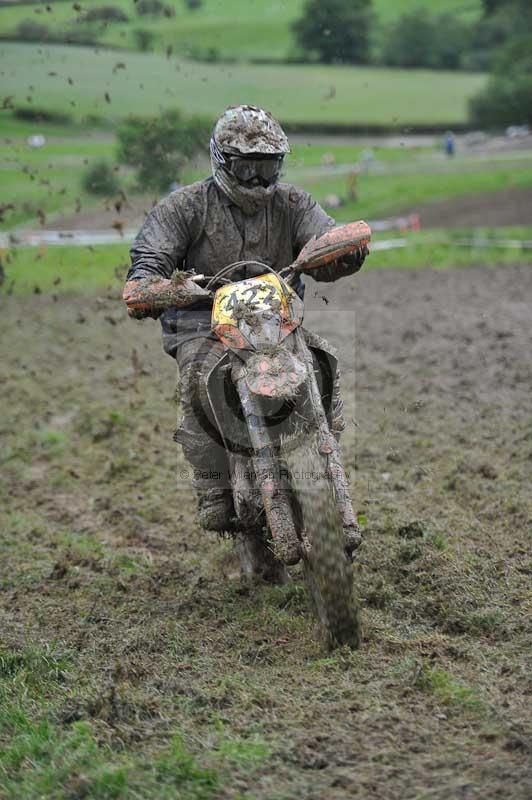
[269,480]
[328,444]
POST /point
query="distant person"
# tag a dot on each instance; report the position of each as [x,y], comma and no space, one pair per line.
[352,184]
[449,144]
[367,160]
[241,212]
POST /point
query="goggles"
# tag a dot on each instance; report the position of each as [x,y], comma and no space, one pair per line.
[246,169]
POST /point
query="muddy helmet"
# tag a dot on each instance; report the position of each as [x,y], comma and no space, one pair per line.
[248,130]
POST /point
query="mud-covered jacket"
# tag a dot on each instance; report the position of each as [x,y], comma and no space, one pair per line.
[199,228]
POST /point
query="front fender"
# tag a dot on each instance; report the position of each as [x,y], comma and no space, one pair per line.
[276,375]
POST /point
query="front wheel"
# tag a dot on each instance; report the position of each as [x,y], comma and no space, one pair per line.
[328,572]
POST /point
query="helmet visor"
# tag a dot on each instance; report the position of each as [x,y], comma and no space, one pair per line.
[246,169]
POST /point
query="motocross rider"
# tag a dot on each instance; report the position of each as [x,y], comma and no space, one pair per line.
[242,212]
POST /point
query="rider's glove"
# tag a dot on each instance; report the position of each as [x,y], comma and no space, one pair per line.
[347,265]
[353,262]
[142,313]
[135,312]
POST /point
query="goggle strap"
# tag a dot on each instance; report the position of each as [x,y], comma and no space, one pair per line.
[216,153]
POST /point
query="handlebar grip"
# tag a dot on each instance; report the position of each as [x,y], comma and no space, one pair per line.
[333,244]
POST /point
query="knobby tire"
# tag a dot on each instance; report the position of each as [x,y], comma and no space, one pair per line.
[328,571]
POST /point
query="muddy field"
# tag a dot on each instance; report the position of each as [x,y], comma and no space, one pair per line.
[510,206]
[126,626]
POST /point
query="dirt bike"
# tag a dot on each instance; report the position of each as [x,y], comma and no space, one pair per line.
[270,396]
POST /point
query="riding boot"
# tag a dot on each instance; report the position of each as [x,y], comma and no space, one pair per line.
[215,506]
[257,561]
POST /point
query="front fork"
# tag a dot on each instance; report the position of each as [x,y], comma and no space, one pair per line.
[269,479]
[328,445]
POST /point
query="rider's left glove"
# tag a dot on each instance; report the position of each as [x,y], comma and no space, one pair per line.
[347,265]
[350,264]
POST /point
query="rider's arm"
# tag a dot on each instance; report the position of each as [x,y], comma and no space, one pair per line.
[309,219]
[161,244]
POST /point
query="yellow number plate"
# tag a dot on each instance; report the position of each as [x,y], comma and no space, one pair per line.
[253,295]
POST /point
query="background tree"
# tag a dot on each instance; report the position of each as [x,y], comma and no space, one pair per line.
[30,31]
[154,8]
[158,147]
[105,14]
[507,99]
[144,39]
[421,39]
[100,179]
[503,40]
[490,6]
[336,31]
[502,21]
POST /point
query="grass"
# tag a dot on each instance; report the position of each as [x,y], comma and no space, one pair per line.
[234,29]
[44,760]
[32,668]
[296,94]
[46,752]
[315,154]
[437,251]
[60,269]
[11,126]
[49,178]
[446,689]
[57,270]
[56,190]
[388,10]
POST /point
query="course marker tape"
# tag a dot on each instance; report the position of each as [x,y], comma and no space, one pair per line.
[86,238]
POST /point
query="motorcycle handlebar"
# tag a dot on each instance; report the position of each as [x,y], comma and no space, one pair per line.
[155,294]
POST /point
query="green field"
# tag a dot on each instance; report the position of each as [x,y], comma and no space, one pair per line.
[49,179]
[56,270]
[297,94]
[55,78]
[227,29]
